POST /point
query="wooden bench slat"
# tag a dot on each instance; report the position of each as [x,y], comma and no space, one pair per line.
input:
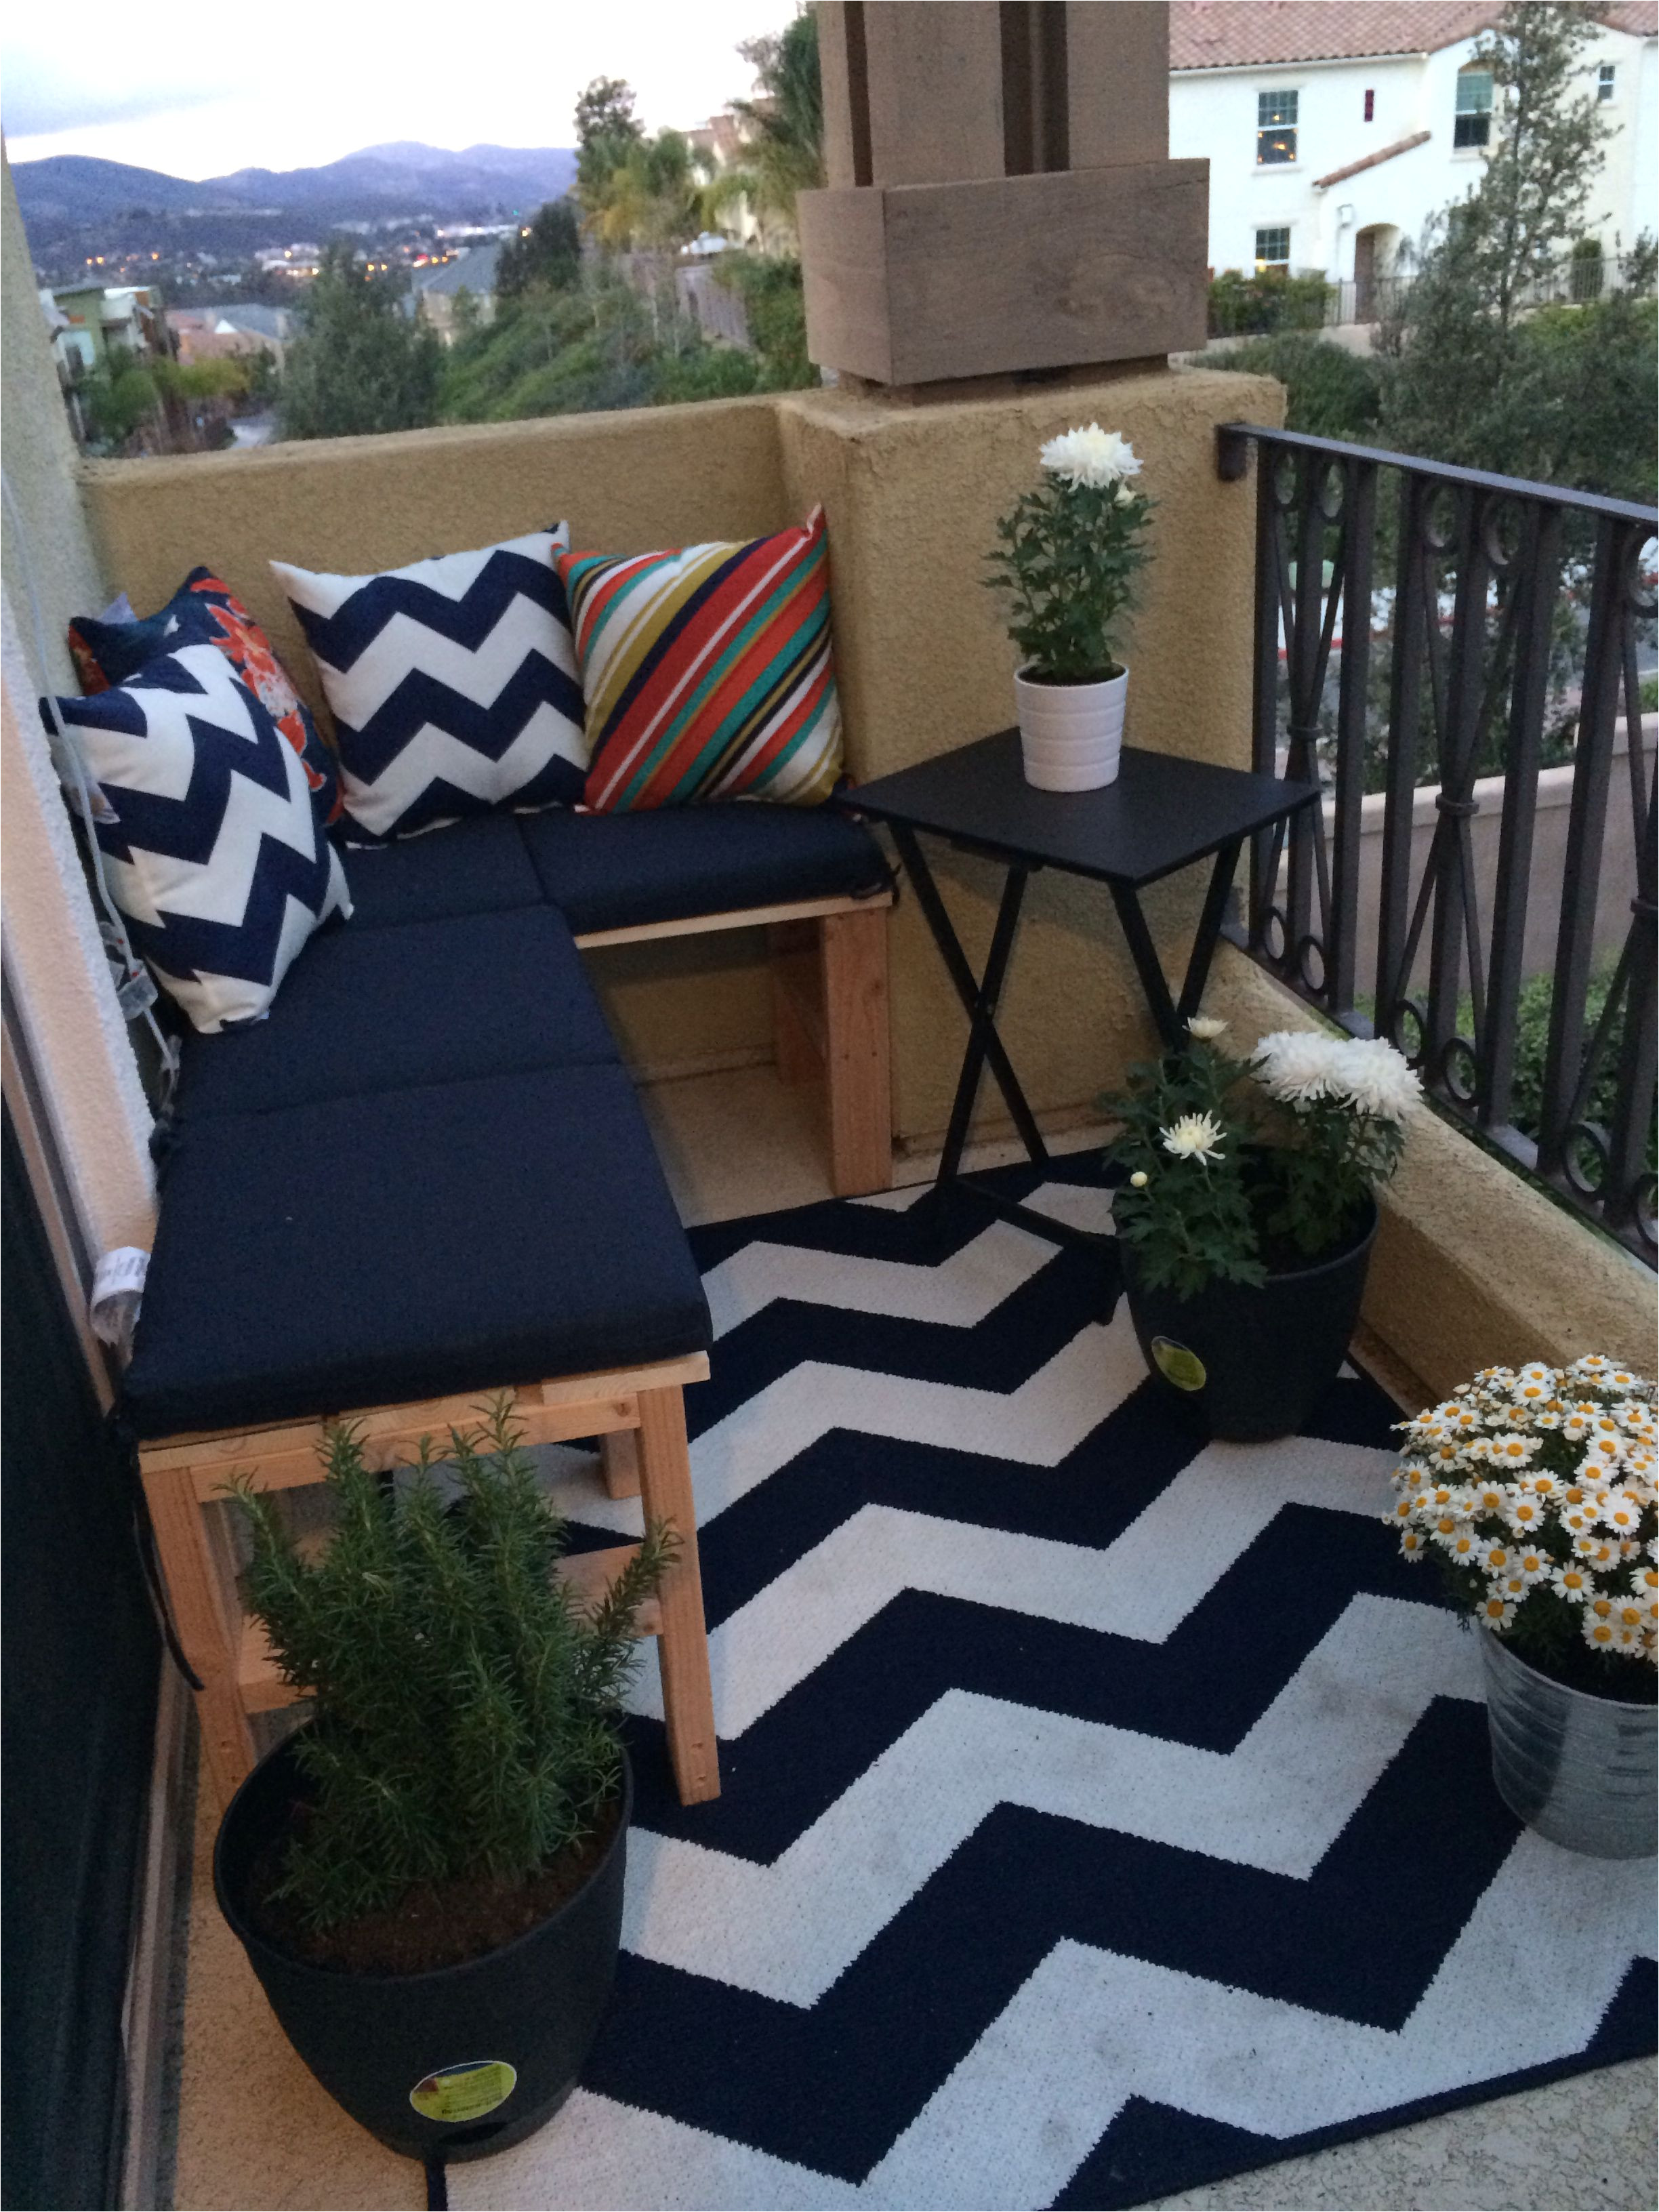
[746,917]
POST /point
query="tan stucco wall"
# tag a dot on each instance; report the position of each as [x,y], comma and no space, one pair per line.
[1473,1266]
[912,494]
[625,483]
[72,1029]
[41,463]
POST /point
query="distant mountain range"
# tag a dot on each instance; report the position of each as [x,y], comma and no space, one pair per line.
[402,179]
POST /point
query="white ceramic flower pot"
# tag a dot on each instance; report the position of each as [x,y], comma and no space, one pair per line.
[1071,734]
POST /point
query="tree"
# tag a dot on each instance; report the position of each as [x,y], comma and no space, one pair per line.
[606,127]
[785,154]
[359,365]
[1459,390]
[548,251]
[656,197]
[1329,391]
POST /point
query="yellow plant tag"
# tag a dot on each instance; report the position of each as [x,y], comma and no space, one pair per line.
[1179,1365]
[465,2093]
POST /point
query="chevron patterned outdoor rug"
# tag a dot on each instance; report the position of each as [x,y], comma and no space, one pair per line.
[1103,1814]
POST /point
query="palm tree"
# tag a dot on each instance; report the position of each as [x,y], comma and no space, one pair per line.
[785,149]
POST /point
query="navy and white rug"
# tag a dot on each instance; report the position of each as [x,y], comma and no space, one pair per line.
[1103,1815]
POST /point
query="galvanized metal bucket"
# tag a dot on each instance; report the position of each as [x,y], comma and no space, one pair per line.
[1581,1770]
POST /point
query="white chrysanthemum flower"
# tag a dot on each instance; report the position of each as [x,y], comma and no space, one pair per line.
[1298,1066]
[1573,1583]
[1376,1077]
[1205,1027]
[1194,1137]
[1092,458]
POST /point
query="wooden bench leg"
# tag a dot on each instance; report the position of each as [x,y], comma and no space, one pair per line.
[681,1641]
[619,1462]
[853,952]
[201,1590]
[797,1044]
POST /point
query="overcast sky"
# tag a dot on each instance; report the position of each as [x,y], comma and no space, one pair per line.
[290,87]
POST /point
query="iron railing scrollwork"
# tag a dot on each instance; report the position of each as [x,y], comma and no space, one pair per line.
[1416,626]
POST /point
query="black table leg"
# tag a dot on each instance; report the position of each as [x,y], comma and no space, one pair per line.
[1170,1019]
[1209,930]
[985,1047]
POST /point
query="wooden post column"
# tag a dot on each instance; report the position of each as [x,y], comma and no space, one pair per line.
[1001,198]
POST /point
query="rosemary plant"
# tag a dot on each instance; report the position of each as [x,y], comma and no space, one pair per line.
[464,1710]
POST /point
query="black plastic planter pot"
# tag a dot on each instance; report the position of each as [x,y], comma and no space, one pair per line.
[451,2065]
[1247,1365]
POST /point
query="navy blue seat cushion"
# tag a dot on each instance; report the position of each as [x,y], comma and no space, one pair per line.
[408,1244]
[611,870]
[478,867]
[380,1009]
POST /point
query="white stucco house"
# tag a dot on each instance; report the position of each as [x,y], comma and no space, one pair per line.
[1334,128]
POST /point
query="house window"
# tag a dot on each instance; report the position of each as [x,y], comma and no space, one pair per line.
[1605,79]
[1273,248]
[1472,125]
[1371,105]
[1275,126]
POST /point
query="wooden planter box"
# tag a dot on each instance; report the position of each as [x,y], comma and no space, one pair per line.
[916,284]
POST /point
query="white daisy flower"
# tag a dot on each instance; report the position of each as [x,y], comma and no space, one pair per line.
[1205,1027]
[1510,1448]
[1532,1565]
[1621,1512]
[1091,457]
[1495,1558]
[1630,1639]
[1592,1363]
[1194,1137]
[1601,1635]
[1495,1610]
[1412,1543]
[1630,1613]
[1526,1515]
[1461,1543]
[1573,1584]
[1489,1498]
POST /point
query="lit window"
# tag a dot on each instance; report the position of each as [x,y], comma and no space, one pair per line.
[1605,78]
[1371,105]
[1273,248]
[1275,126]
[1472,125]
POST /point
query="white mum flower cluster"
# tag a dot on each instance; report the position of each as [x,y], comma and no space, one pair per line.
[1298,1066]
[1538,1482]
[1092,458]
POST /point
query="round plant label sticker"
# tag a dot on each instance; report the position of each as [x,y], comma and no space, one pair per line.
[1177,1364]
[465,2093]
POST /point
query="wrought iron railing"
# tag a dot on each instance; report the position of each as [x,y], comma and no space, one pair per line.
[1424,637]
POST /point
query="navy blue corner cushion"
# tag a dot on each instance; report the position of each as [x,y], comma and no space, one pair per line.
[405,1245]
[478,867]
[612,870]
[380,1008]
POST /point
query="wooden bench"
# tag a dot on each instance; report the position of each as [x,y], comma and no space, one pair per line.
[638,1415]
[829,1014]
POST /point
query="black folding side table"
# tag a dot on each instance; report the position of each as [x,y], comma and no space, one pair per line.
[1162,814]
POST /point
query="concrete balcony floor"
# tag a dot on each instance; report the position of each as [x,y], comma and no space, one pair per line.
[251,2127]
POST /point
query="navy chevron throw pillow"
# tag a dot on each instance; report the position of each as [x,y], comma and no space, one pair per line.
[452,683]
[212,850]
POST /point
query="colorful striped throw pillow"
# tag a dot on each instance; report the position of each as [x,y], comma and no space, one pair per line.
[708,673]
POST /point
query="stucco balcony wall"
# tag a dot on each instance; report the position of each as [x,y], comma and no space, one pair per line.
[911,494]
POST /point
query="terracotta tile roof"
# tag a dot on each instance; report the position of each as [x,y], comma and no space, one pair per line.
[1238,33]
